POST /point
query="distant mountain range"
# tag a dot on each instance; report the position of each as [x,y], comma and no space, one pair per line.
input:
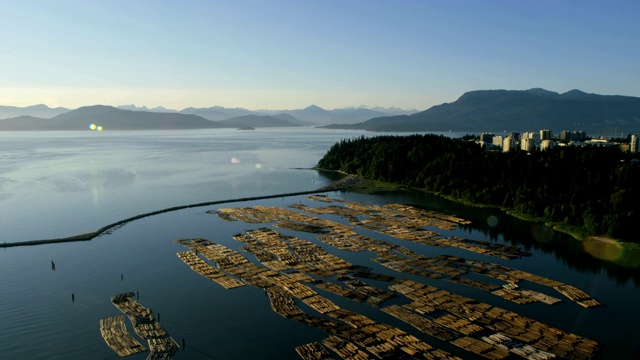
[41,111]
[517,110]
[109,118]
[41,117]
[475,111]
[309,116]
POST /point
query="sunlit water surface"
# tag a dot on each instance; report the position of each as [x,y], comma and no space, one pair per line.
[55,184]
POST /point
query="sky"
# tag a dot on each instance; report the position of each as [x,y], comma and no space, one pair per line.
[280,54]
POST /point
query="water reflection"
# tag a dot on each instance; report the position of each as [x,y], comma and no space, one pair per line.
[592,257]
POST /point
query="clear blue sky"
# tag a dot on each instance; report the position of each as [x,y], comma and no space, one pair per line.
[276,54]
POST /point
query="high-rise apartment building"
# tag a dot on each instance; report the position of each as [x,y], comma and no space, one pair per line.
[545,134]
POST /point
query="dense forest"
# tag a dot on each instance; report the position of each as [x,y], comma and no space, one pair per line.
[595,188]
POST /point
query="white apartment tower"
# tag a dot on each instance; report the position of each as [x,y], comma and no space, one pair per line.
[508,144]
[527,144]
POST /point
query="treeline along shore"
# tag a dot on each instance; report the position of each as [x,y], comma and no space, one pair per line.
[592,190]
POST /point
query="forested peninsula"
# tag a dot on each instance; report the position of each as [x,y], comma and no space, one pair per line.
[593,190]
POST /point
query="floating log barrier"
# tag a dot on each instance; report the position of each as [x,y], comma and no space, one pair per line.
[296,226]
[320,304]
[516,347]
[201,267]
[380,340]
[513,295]
[458,324]
[374,276]
[408,223]
[502,276]
[439,313]
[295,251]
[115,334]
[421,323]
[162,346]
[543,298]
[313,351]
[515,326]
[577,295]
[282,302]
[369,290]
[144,323]
[481,348]
[476,284]
[514,276]
[345,349]
[352,318]
[342,291]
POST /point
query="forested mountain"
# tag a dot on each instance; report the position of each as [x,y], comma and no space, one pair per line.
[293,119]
[514,110]
[26,123]
[595,188]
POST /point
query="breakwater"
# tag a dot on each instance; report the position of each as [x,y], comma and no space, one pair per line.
[336,186]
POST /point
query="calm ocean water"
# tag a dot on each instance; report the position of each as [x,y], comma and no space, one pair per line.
[56,184]
[59,184]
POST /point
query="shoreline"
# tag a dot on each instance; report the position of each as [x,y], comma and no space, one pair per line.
[573,231]
[334,186]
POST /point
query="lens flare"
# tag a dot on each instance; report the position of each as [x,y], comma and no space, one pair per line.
[492,221]
[93,126]
[99,128]
[235,160]
[258,166]
[603,249]
[611,250]
[542,233]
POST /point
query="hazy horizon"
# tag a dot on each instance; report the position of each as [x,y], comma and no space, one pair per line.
[291,54]
[142,106]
